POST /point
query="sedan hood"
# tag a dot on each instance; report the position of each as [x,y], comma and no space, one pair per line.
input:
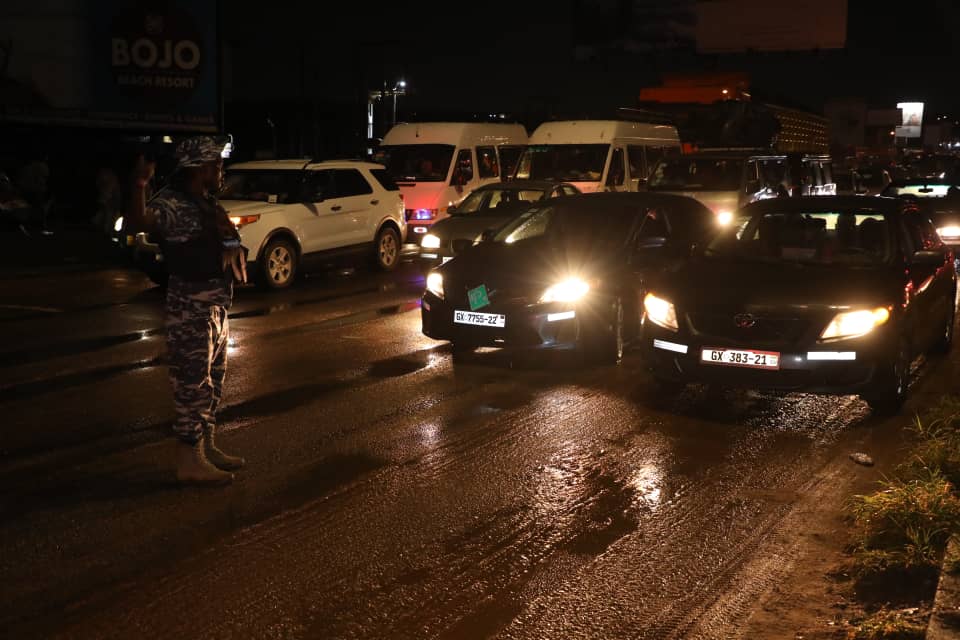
[524,269]
[706,283]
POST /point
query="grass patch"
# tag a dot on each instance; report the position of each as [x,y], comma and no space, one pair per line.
[902,529]
[906,524]
[903,624]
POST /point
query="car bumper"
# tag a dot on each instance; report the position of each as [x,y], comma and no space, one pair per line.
[844,367]
[541,326]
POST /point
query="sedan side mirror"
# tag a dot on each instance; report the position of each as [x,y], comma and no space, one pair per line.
[461,244]
[452,209]
[488,235]
[931,258]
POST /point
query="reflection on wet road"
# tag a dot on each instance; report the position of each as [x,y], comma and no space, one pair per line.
[390,492]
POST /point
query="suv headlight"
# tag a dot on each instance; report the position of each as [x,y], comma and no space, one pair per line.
[853,324]
[661,312]
[570,290]
[435,284]
[430,241]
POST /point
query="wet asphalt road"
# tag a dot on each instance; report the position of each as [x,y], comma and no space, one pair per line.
[390,493]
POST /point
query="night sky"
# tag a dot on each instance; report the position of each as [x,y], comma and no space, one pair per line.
[523,56]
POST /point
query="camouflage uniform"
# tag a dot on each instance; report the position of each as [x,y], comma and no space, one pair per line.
[196,318]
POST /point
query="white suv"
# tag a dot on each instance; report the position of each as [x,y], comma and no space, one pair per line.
[294,212]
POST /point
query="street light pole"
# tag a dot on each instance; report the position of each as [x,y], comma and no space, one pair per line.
[398,89]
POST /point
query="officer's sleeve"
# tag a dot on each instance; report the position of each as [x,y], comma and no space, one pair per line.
[161,211]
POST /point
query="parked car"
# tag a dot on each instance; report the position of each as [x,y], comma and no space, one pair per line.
[488,207]
[833,295]
[567,272]
[294,214]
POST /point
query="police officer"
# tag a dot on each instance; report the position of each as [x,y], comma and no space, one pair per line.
[202,252]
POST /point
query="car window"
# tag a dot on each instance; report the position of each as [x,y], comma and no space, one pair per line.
[615,175]
[856,238]
[698,174]
[384,179]
[487,164]
[920,232]
[416,162]
[531,224]
[262,186]
[509,156]
[473,202]
[654,225]
[654,155]
[570,191]
[318,186]
[574,162]
[504,197]
[463,169]
[349,182]
[635,158]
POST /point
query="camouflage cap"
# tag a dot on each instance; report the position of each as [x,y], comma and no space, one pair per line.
[198,151]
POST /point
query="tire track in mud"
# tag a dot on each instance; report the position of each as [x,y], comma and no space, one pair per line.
[647,586]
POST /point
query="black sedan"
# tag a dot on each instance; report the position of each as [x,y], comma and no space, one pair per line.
[566,272]
[829,295]
[488,207]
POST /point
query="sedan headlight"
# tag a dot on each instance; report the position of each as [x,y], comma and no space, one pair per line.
[724,218]
[118,225]
[570,290]
[951,232]
[661,312]
[435,284]
[430,241]
[853,324]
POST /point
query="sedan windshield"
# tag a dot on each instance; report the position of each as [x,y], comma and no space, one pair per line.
[573,227]
[697,174]
[563,162]
[922,189]
[416,162]
[847,237]
[492,200]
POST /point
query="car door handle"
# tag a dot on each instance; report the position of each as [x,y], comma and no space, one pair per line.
[374,202]
[336,208]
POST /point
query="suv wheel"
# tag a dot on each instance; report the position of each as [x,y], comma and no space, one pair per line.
[279,264]
[388,249]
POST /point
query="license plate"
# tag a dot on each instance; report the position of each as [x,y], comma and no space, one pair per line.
[742,358]
[480,319]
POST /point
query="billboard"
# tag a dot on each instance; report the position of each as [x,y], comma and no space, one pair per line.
[912,119]
[134,64]
[735,26]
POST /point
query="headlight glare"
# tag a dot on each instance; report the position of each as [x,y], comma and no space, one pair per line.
[661,312]
[724,218]
[118,225]
[435,284]
[430,241]
[853,324]
[950,231]
[569,290]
